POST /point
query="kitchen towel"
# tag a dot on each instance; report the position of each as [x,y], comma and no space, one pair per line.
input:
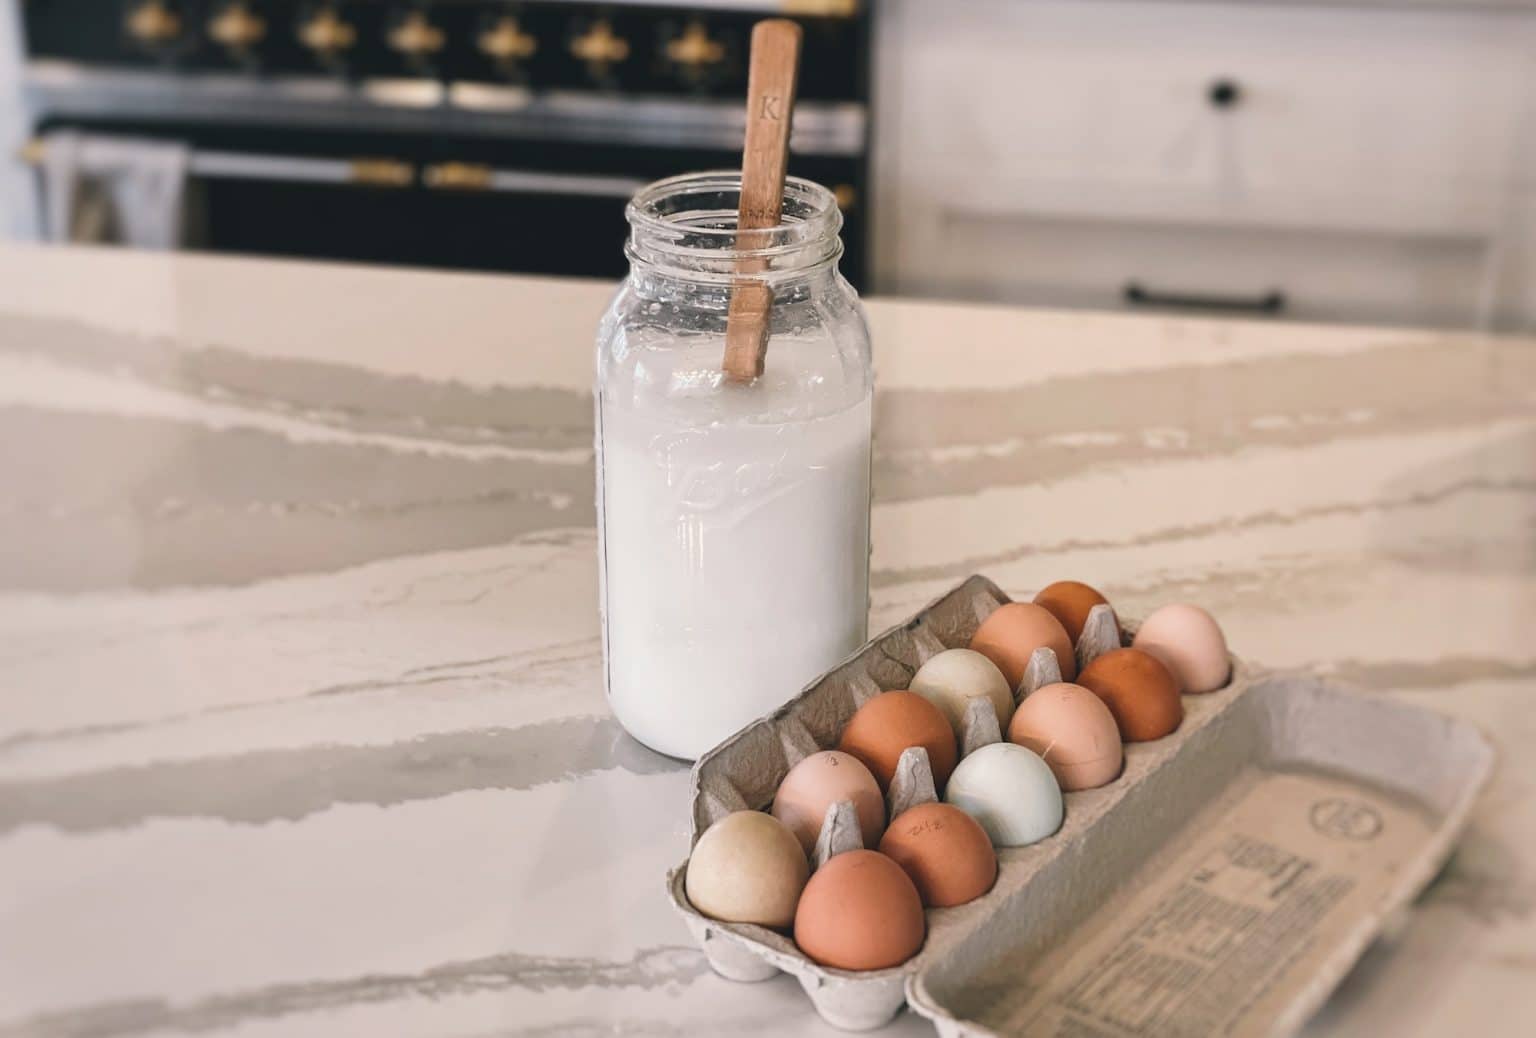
[114,190]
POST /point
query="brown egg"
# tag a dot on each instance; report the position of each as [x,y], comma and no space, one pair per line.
[946,852]
[889,723]
[1070,602]
[860,911]
[818,782]
[1073,731]
[1141,693]
[1011,634]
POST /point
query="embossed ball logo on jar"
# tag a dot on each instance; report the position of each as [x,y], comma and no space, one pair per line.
[705,483]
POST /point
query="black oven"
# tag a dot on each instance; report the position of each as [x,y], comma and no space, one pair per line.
[457,133]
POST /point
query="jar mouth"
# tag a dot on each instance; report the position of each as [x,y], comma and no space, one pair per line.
[689,221]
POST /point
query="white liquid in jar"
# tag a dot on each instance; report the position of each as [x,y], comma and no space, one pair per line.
[734,539]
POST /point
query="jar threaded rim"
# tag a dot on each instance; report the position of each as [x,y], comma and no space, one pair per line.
[687,224]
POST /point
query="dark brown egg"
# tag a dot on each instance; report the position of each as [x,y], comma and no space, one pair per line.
[1014,631]
[1139,690]
[1070,601]
[882,728]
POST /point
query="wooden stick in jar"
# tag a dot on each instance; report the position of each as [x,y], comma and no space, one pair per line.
[770,105]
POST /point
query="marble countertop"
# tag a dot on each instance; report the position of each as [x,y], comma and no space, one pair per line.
[303,729]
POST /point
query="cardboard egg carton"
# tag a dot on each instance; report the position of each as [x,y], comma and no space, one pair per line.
[1224,883]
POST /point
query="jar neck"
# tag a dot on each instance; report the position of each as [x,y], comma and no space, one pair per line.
[683,231]
[670,287]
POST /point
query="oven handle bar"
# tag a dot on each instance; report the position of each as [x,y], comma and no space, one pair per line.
[292,168]
[243,166]
[470,176]
[385,172]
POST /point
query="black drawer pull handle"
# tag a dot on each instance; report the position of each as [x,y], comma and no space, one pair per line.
[1268,303]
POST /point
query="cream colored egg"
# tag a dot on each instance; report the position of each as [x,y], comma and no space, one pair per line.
[747,868]
[955,676]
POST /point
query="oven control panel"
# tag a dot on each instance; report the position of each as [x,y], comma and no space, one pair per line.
[630,48]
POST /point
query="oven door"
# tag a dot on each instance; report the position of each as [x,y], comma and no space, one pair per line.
[545,207]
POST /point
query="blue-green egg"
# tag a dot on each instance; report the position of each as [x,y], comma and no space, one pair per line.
[1010,791]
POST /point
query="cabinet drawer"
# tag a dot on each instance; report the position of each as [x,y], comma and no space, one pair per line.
[1217,113]
[1280,272]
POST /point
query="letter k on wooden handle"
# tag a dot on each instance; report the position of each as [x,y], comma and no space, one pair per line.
[770,110]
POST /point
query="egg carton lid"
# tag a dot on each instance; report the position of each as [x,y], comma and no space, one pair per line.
[1266,746]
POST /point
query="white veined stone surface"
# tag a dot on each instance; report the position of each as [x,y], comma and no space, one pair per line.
[299,674]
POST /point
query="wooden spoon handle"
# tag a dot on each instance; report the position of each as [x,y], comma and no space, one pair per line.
[770,108]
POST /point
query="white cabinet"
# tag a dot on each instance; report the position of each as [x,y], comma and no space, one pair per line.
[1361,162]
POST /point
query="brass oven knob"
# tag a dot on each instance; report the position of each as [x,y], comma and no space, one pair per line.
[152,22]
[505,41]
[415,37]
[821,8]
[599,47]
[382,172]
[236,27]
[694,50]
[326,34]
[457,176]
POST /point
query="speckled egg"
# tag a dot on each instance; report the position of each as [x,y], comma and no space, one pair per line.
[1010,791]
[890,722]
[946,852]
[953,677]
[1190,643]
[860,911]
[747,868]
[818,782]
[1014,631]
[1070,602]
[1141,693]
[1073,732]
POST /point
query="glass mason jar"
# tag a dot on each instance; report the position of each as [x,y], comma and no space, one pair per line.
[733,518]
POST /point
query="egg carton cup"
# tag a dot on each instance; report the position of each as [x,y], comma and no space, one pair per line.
[1225,882]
